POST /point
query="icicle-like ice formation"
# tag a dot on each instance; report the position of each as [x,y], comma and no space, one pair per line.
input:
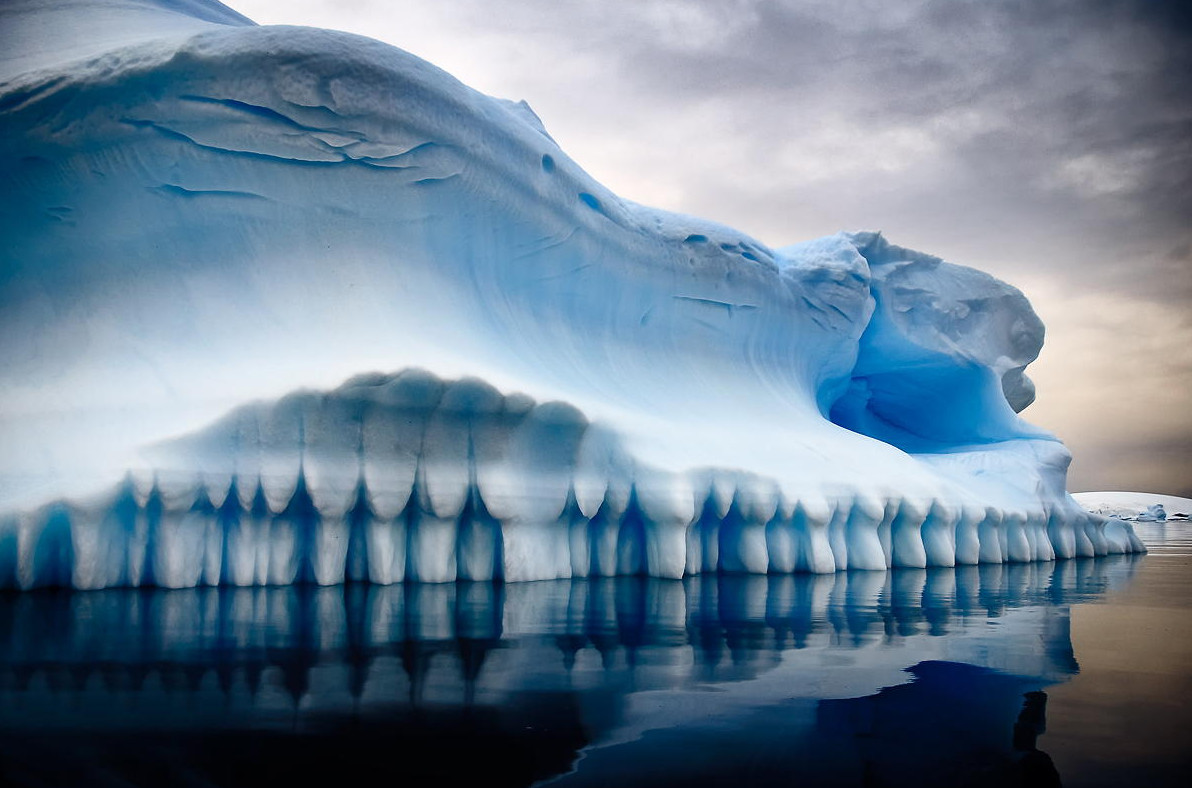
[409,477]
[201,213]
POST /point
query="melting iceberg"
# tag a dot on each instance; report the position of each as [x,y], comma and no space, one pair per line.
[209,225]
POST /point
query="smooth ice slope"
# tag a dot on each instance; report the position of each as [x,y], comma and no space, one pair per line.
[200,213]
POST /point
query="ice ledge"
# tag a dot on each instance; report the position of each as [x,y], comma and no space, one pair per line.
[409,477]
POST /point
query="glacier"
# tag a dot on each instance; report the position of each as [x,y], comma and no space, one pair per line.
[282,304]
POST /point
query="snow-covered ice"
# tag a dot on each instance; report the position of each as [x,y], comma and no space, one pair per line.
[209,225]
[1133,505]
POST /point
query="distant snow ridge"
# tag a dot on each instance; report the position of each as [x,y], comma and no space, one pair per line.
[200,213]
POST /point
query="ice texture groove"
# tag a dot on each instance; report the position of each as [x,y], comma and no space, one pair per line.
[210,225]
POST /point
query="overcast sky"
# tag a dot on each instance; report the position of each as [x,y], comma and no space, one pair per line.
[1048,142]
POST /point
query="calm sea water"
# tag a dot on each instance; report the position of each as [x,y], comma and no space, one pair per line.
[1075,673]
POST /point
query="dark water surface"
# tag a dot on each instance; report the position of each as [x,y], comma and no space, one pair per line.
[1074,673]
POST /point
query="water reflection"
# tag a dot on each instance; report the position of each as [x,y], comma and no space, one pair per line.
[538,670]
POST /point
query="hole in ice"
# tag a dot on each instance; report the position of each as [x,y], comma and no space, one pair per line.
[696,238]
[548,163]
[590,201]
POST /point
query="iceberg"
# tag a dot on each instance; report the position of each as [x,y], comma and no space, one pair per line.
[211,225]
[1154,514]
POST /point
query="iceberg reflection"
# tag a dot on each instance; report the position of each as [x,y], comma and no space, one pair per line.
[244,684]
[362,642]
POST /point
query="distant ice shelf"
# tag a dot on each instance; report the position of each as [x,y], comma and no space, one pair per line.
[210,225]
[1135,505]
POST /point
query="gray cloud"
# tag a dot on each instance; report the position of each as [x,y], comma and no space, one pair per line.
[1068,124]
[1149,466]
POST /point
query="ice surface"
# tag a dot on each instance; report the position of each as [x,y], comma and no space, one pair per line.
[209,225]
